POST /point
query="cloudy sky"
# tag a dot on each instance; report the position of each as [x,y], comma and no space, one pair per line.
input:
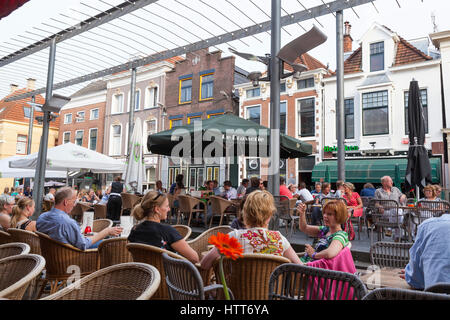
[412,20]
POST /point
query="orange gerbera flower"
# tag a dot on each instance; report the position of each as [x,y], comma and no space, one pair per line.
[227,246]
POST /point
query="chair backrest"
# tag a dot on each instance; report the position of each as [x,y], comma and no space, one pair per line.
[429,209]
[60,256]
[99,211]
[298,282]
[13,249]
[28,237]
[218,204]
[171,199]
[113,251]
[5,237]
[200,244]
[440,287]
[129,200]
[390,254]
[366,201]
[184,230]
[101,224]
[183,280]
[384,212]
[152,255]
[16,274]
[48,205]
[186,203]
[125,281]
[248,277]
[403,294]
[78,211]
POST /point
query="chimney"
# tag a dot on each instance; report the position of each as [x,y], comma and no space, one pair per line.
[348,40]
[31,83]
[13,87]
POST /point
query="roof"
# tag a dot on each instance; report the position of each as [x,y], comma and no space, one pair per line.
[310,62]
[13,110]
[90,88]
[407,53]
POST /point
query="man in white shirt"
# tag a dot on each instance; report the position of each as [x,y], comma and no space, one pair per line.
[229,192]
[50,196]
[303,194]
[241,189]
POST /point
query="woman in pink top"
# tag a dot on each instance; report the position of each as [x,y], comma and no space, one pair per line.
[353,199]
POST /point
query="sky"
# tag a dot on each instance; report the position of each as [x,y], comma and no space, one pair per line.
[413,20]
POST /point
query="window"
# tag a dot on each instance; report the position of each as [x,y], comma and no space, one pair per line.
[424,99]
[206,86]
[213,115]
[79,137]
[306,116]
[94,114]
[253,93]
[283,123]
[21,146]
[93,139]
[194,119]
[151,97]
[27,112]
[349,115]
[151,129]
[176,123]
[283,87]
[375,113]
[80,116]
[186,90]
[68,118]
[117,103]
[137,102]
[377,56]
[66,137]
[305,83]
[116,139]
[254,114]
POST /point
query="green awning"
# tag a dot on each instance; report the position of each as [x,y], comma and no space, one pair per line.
[371,170]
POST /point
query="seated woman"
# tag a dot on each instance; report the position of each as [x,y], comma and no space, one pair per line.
[152,209]
[332,239]
[258,210]
[21,214]
[6,204]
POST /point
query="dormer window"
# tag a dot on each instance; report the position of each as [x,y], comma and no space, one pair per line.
[377,56]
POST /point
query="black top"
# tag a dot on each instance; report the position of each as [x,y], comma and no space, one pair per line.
[251,189]
[116,187]
[155,234]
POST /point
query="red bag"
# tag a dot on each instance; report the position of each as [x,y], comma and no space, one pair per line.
[349,229]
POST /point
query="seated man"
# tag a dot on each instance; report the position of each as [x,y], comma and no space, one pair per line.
[229,192]
[429,261]
[58,225]
[303,194]
[50,196]
[284,191]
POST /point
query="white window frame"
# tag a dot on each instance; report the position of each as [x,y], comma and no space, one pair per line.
[129,100]
[26,142]
[149,97]
[260,111]
[98,114]
[77,118]
[111,139]
[65,118]
[81,138]
[114,103]
[89,139]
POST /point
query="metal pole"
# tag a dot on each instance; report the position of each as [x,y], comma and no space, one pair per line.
[39,180]
[274,174]
[132,106]
[30,126]
[340,94]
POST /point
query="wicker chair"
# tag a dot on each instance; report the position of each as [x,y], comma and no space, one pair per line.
[187,205]
[152,255]
[78,211]
[172,199]
[185,231]
[5,237]
[101,224]
[47,205]
[185,282]
[440,287]
[200,244]
[298,282]
[219,206]
[403,294]
[390,254]
[28,237]
[126,281]
[113,251]
[99,211]
[248,277]
[13,249]
[16,274]
[59,259]
[128,201]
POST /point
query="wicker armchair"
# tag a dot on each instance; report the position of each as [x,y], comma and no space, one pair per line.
[126,281]
[219,206]
[248,277]
[403,294]
[440,287]
[5,237]
[128,201]
[78,211]
[101,224]
[187,204]
[60,257]
[28,237]
[298,282]
[185,231]
[17,272]
[113,251]
[173,209]
[185,282]
[99,211]
[152,255]
[200,244]
[13,249]
[390,254]
[47,205]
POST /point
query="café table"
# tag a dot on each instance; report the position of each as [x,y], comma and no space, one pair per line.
[383,278]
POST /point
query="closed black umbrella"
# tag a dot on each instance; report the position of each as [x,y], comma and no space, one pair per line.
[418,170]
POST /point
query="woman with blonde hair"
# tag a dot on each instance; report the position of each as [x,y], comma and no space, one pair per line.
[152,209]
[21,214]
[257,238]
